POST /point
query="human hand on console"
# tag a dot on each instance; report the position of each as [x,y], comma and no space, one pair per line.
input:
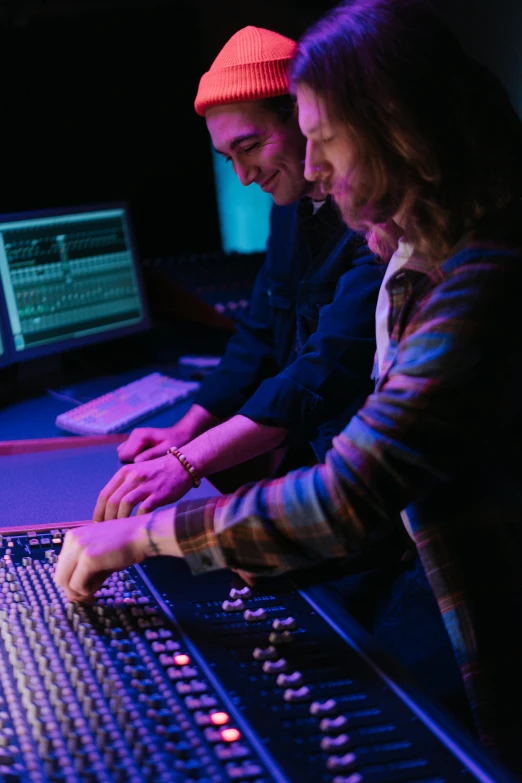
[152,484]
[146,443]
[92,553]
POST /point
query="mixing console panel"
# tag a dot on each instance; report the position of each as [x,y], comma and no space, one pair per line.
[171,678]
[224,282]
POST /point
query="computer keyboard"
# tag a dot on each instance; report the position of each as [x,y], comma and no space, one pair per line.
[115,411]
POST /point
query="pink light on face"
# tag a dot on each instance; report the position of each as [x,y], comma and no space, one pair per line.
[230,735]
[181,660]
[219,718]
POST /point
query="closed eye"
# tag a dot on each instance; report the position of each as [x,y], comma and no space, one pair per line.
[247,150]
[251,148]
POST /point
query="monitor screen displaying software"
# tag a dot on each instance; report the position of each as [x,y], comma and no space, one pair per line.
[69,277]
[3,356]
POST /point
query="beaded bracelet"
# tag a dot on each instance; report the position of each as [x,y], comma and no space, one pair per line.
[196,481]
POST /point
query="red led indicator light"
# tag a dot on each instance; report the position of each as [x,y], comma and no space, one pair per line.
[219,718]
[230,735]
[181,660]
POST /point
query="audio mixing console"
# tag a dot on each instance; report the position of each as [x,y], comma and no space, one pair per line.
[170,678]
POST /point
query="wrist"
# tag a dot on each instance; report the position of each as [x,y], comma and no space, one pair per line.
[195,422]
[157,534]
[180,434]
[188,467]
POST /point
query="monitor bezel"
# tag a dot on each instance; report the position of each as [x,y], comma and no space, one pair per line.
[5,332]
[13,356]
[6,358]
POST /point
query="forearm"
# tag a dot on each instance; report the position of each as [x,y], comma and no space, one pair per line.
[196,421]
[230,443]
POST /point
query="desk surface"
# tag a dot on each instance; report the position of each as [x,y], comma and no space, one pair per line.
[85,373]
[53,487]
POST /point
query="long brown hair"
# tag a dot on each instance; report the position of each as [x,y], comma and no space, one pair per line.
[436,137]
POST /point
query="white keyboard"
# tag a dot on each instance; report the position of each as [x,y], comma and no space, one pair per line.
[115,411]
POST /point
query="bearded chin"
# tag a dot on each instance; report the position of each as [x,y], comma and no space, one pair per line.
[348,205]
[358,210]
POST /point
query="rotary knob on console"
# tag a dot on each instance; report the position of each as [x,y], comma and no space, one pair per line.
[6,737]
[246,771]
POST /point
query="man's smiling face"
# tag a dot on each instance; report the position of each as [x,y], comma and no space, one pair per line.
[261,148]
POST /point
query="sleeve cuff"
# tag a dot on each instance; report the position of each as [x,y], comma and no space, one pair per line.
[220,401]
[281,402]
[194,531]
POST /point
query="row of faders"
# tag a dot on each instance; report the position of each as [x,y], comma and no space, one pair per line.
[310,692]
[103,693]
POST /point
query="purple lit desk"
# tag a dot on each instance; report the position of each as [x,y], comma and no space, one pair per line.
[57,480]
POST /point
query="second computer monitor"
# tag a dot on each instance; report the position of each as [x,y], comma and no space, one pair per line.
[69,277]
[4,358]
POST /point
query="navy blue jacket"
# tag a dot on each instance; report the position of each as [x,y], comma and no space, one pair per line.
[303,353]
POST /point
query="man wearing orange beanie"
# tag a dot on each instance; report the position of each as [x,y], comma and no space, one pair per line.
[301,362]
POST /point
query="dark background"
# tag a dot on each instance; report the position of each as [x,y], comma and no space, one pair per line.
[97,100]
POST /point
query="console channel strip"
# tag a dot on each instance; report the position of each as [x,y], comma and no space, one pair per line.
[168,678]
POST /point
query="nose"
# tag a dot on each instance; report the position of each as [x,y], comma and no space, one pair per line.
[246,172]
[312,169]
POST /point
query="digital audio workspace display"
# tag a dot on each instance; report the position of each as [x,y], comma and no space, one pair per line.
[3,356]
[6,355]
[69,277]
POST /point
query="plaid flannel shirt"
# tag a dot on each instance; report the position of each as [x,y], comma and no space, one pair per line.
[440,438]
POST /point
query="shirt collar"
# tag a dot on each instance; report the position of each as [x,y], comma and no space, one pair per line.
[430,267]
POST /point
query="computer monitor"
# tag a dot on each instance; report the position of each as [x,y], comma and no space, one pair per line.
[244,213]
[4,357]
[6,351]
[69,277]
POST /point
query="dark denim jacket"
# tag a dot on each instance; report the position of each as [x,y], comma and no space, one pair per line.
[302,356]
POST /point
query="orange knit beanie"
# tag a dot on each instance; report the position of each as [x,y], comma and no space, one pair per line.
[252,65]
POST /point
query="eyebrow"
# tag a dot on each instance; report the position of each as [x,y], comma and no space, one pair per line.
[238,140]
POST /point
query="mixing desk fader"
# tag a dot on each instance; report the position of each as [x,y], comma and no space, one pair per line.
[170,678]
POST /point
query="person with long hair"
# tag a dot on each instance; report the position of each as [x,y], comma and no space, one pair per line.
[419,146]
